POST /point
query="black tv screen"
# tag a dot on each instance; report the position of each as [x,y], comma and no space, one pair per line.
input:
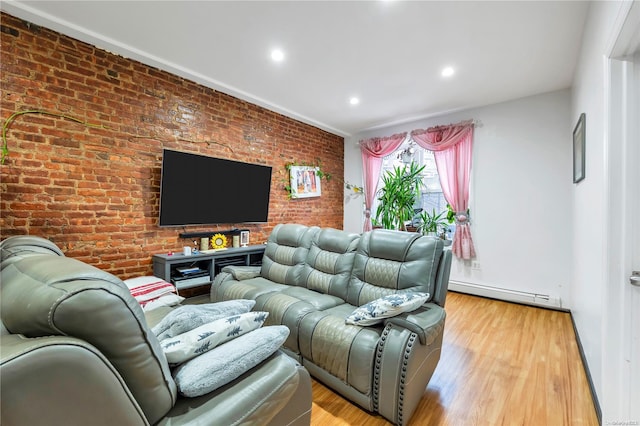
[200,190]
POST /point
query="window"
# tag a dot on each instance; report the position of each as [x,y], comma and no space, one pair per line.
[432,196]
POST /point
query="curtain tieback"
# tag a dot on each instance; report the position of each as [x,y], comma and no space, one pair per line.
[367,213]
[462,218]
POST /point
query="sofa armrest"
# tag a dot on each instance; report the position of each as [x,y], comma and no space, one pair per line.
[276,392]
[240,273]
[230,274]
[407,356]
[427,322]
[64,378]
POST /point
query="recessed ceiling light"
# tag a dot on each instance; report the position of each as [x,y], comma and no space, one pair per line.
[277,55]
[354,101]
[448,71]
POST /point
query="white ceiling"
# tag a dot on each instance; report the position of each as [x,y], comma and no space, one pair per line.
[387,53]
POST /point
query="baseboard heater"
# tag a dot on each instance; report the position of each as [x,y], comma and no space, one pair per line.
[543,300]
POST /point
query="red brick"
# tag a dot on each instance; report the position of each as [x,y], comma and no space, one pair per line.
[95,192]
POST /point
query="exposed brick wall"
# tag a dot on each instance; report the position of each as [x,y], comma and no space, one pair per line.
[94,191]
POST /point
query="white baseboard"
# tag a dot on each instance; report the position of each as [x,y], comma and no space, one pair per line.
[542,300]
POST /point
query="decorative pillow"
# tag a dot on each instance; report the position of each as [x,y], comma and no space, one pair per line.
[388,306]
[227,362]
[166,300]
[147,289]
[189,345]
[188,317]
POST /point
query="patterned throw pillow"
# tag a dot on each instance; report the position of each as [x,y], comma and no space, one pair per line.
[188,317]
[227,362]
[202,339]
[388,306]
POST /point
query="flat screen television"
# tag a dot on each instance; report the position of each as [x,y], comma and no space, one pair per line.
[201,190]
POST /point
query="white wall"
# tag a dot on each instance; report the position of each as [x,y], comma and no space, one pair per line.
[552,237]
[520,193]
[589,214]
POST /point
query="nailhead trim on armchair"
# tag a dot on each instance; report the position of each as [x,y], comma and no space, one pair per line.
[403,376]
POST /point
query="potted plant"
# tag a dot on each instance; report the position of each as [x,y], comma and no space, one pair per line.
[401,189]
[432,223]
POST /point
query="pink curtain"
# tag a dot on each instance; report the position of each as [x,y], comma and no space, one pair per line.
[452,147]
[373,150]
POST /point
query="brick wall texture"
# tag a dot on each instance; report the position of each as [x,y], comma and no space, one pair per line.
[94,191]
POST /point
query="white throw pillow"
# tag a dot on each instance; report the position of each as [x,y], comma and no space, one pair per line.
[229,361]
[189,345]
[388,306]
[188,317]
[166,300]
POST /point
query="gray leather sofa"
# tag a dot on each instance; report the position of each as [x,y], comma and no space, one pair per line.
[77,350]
[312,279]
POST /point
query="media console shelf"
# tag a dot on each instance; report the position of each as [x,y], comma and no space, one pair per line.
[202,267]
[200,234]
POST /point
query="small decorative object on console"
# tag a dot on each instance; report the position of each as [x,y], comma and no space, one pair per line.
[244,238]
[218,241]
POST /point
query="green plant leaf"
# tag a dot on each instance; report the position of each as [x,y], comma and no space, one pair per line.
[400,190]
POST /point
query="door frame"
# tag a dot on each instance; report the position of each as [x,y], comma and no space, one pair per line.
[621,331]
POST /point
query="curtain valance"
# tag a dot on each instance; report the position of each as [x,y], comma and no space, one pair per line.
[440,138]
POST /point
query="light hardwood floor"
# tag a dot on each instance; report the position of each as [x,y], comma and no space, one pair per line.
[501,364]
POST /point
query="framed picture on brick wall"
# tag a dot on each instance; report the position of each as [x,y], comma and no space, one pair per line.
[305,182]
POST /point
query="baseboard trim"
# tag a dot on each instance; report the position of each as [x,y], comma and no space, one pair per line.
[533,299]
[585,365]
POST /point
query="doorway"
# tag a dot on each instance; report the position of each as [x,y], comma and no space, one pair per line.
[621,355]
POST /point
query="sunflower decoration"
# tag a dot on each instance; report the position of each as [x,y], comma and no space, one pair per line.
[218,241]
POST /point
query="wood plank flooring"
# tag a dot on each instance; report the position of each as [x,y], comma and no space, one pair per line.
[501,364]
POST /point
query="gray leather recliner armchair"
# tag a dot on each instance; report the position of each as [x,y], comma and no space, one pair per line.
[77,350]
